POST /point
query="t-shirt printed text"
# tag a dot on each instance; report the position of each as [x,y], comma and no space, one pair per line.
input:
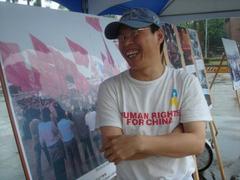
[150,119]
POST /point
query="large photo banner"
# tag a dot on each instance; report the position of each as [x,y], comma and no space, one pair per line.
[185,44]
[233,57]
[199,64]
[172,51]
[53,62]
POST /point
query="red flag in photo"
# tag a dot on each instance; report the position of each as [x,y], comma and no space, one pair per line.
[16,71]
[103,57]
[94,22]
[66,68]
[79,53]
[43,58]
[8,50]
[39,45]
[48,75]
[109,56]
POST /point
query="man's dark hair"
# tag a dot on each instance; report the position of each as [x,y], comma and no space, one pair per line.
[60,112]
[46,114]
[153,29]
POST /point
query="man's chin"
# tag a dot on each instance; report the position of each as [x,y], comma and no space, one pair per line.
[134,68]
[132,63]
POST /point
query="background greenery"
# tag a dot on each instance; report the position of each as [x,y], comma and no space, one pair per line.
[215,29]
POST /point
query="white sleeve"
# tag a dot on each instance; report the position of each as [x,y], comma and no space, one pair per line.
[194,105]
[108,113]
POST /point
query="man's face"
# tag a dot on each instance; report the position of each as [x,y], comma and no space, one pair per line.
[140,46]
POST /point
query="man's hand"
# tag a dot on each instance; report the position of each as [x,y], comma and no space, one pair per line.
[122,147]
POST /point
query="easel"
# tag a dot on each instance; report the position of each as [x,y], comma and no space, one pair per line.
[238,99]
[213,128]
[196,174]
[215,76]
[214,133]
[219,66]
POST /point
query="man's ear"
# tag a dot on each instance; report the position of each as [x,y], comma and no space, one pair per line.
[160,35]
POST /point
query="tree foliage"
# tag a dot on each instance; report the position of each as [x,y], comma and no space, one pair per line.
[216,31]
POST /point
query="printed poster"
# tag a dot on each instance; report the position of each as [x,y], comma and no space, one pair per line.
[173,54]
[185,45]
[199,64]
[53,62]
[233,57]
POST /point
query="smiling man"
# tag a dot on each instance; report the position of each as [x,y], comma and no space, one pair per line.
[152,117]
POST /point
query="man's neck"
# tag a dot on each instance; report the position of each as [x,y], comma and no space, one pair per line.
[152,72]
[148,74]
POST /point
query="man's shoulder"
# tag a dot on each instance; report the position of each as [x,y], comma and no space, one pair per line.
[115,79]
[180,74]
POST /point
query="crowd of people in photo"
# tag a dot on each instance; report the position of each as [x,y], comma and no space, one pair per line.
[64,131]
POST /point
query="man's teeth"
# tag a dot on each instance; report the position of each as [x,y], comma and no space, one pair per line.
[131,54]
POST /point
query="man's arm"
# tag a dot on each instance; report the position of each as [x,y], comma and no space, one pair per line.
[109,133]
[190,142]
[118,147]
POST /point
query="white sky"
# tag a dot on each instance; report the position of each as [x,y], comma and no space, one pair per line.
[50,4]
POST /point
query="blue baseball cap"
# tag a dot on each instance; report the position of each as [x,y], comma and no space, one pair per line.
[133,18]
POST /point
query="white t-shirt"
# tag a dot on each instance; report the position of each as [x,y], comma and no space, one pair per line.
[152,108]
[90,119]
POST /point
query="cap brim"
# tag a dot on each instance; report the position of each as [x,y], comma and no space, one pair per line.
[112,29]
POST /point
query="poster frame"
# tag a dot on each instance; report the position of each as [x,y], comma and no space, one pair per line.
[13,125]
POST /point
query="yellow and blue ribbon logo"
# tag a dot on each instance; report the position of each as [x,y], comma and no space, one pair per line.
[174,98]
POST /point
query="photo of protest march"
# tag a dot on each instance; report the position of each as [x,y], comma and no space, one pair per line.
[56,122]
[58,133]
[52,81]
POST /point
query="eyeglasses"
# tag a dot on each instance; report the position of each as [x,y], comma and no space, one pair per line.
[131,34]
